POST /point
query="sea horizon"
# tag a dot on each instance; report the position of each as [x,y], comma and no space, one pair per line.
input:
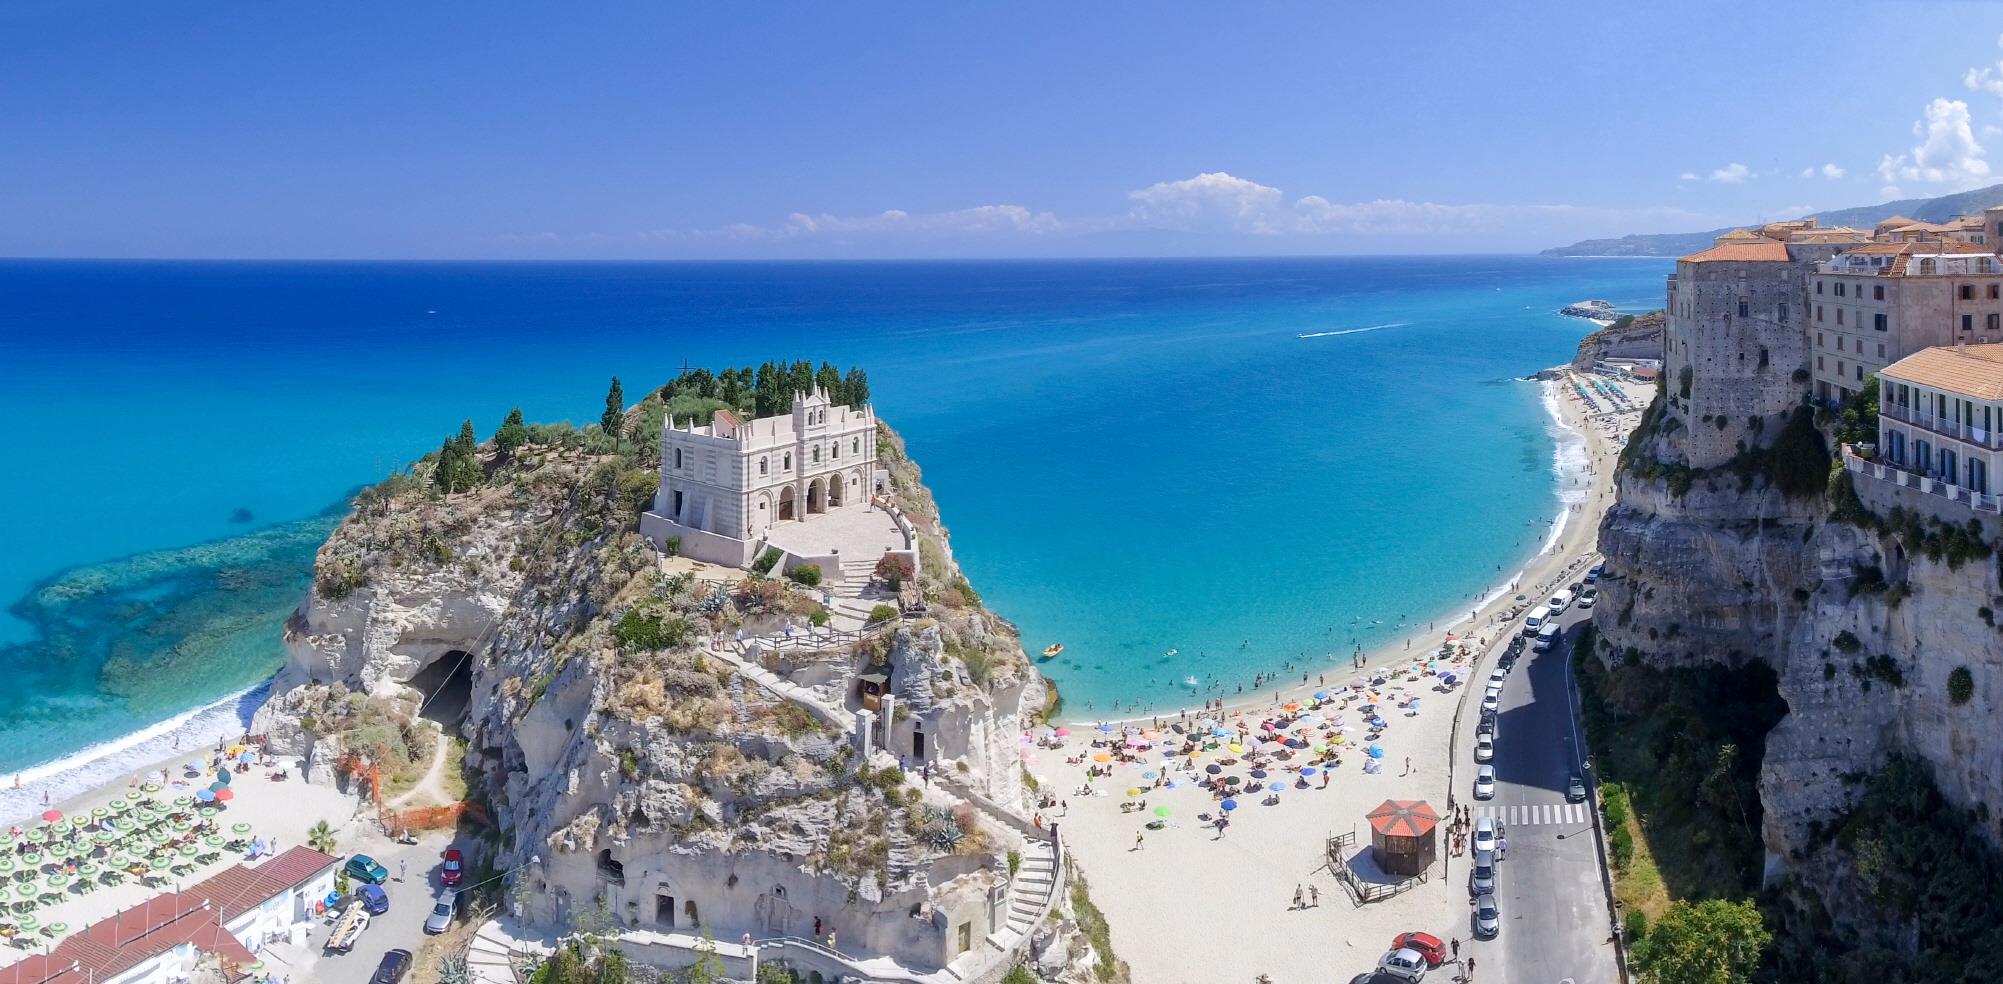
[289,385]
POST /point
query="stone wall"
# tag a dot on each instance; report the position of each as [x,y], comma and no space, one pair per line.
[1732,376]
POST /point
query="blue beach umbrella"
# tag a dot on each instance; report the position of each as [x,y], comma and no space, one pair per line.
[1150,775]
[205,795]
[1321,695]
[1105,729]
[1377,751]
[1307,770]
[1230,804]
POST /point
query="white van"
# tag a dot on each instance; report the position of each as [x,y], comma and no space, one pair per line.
[1546,637]
[1559,602]
[1533,623]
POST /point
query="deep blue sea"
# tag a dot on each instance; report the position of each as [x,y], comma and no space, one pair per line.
[1133,456]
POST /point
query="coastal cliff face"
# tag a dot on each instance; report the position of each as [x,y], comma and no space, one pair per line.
[1639,337]
[659,787]
[1867,601]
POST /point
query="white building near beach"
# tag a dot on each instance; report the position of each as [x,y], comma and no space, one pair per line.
[726,484]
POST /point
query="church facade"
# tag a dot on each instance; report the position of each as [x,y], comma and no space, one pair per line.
[726,484]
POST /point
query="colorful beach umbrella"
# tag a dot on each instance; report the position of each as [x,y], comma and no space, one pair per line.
[225,793]
[1230,804]
[205,795]
[240,828]
[51,816]
[1162,811]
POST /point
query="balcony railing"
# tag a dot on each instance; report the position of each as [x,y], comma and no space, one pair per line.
[1886,471]
[1983,437]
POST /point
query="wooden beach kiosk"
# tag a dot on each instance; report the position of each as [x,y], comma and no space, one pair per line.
[1403,833]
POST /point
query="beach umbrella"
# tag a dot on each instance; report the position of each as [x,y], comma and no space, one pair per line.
[51,816]
[1162,811]
[104,837]
[1133,792]
[1377,751]
[1102,757]
[1235,748]
[87,869]
[1213,768]
[100,813]
[1105,729]
[184,802]
[1321,695]
[58,929]
[215,840]
[32,859]
[26,924]
[205,796]
[1232,780]
[1258,773]
[1145,775]
[27,891]
[208,812]
[1229,804]
[190,850]
[1307,770]
[1062,732]
[244,828]
[225,794]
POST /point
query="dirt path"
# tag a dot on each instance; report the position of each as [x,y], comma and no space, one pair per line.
[429,785]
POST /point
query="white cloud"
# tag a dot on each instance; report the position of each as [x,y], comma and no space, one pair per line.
[1988,80]
[1207,197]
[1688,176]
[1947,153]
[1733,173]
[1832,172]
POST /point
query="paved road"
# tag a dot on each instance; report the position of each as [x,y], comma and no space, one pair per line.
[1554,911]
[402,927]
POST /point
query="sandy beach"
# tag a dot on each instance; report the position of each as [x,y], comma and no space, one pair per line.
[1172,895]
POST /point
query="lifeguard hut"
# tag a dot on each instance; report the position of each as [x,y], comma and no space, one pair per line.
[1403,833]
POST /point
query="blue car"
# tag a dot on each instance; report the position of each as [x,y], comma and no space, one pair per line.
[374,899]
[361,867]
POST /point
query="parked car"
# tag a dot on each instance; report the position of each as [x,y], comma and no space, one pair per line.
[1484,748]
[364,868]
[1546,638]
[1593,573]
[1487,725]
[1487,917]
[442,911]
[1559,602]
[1481,877]
[373,898]
[1495,678]
[1486,831]
[1404,963]
[394,965]
[1484,782]
[452,869]
[1534,622]
[1428,945]
[1587,600]
[1492,700]
[1575,587]
[1575,789]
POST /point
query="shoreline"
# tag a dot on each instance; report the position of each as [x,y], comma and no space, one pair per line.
[1566,415]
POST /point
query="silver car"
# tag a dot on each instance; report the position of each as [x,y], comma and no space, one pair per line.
[1486,831]
[1481,880]
[1487,918]
[1484,782]
[442,910]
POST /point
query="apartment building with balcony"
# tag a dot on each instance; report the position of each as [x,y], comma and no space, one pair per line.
[1873,305]
[1939,415]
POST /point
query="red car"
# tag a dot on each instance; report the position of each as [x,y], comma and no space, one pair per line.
[1428,945]
[454,869]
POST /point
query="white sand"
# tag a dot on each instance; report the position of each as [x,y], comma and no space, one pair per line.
[281,810]
[1190,907]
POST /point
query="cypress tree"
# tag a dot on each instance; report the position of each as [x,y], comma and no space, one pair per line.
[445,474]
[829,379]
[802,382]
[615,411]
[513,433]
[856,387]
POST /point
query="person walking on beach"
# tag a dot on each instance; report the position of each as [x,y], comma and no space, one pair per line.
[1314,896]
[402,869]
[1456,944]
[1139,840]
[1300,900]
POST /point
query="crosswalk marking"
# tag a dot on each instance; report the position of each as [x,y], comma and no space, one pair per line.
[1537,814]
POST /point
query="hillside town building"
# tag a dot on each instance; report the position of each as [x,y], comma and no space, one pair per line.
[1878,303]
[1939,411]
[727,484]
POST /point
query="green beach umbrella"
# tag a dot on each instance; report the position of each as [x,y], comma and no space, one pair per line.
[87,868]
[26,924]
[124,823]
[104,837]
[38,835]
[184,801]
[240,828]
[6,864]
[1161,811]
[190,850]
[80,821]
[27,890]
[215,840]
[209,811]
[32,858]
[182,823]
[151,787]
[58,880]
[104,811]
[59,929]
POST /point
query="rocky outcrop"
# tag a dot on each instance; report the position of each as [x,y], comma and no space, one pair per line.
[637,780]
[1863,600]
[1595,310]
[1638,337]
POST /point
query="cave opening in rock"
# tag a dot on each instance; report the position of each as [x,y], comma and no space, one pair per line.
[447,685]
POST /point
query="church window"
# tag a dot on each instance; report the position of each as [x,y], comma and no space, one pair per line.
[817,454]
[786,464]
[855,445]
[835,450]
[678,457]
[764,465]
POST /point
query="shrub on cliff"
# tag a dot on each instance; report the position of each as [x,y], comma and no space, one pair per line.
[893,570]
[883,613]
[457,467]
[1800,458]
[642,630]
[1960,685]
[1711,942]
[807,574]
[766,560]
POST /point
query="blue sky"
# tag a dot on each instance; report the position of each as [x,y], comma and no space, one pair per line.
[861,129]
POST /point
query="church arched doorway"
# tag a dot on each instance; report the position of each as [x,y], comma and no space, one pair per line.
[835,487]
[786,503]
[817,497]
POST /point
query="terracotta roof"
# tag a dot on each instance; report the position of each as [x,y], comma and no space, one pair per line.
[39,969]
[1755,250]
[1893,222]
[297,865]
[1736,235]
[1974,371]
[1403,818]
[1909,249]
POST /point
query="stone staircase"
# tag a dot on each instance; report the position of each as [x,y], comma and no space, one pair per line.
[491,956]
[1030,894]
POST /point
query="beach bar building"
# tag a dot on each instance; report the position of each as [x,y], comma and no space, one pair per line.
[1403,834]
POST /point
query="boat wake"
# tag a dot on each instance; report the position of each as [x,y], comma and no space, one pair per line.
[1353,331]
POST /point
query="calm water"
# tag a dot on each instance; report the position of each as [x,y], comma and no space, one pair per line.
[1134,456]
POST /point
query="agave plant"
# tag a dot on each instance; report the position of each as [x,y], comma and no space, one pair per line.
[452,970]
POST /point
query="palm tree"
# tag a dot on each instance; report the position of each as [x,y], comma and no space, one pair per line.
[321,837]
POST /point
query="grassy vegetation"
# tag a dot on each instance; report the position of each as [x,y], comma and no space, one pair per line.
[1092,923]
[1684,748]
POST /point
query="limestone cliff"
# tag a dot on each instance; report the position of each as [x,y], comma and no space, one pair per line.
[638,774]
[1638,337]
[1863,597]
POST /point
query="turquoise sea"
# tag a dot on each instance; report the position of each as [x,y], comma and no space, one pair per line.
[1133,456]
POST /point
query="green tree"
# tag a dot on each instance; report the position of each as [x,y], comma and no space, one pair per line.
[856,388]
[1710,942]
[615,411]
[321,837]
[708,968]
[829,379]
[458,462]
[513,434]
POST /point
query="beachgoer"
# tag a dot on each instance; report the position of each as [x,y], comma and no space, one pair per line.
[1314,896]
[817,927]
[1456,944]
[1299,898]
[1138,840]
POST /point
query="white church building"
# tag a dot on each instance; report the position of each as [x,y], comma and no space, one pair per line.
[726,485]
